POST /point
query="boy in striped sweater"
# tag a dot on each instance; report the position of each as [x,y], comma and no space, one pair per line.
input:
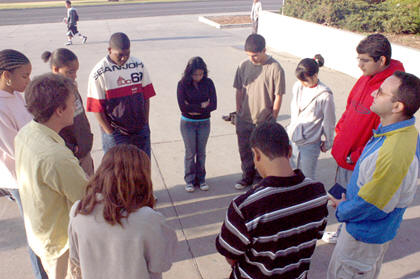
[271,230]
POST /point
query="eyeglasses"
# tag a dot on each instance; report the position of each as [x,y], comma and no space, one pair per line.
[379,92]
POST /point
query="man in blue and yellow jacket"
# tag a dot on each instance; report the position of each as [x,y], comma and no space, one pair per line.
[383,183]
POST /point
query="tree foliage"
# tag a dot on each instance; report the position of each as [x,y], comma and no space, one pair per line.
[392,16]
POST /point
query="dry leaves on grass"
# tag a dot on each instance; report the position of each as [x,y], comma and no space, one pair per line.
[238,19]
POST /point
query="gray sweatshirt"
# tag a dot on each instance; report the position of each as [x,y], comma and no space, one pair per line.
[143,248]
[312,115]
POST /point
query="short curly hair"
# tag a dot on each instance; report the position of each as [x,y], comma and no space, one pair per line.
[46,93]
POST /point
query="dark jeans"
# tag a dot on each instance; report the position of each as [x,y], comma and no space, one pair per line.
[195,135]
[243,131]
[141,139]
[39,271]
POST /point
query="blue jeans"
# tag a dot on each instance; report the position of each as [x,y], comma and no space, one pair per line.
[141,139]
[305,158]
[35,260]
[195,135]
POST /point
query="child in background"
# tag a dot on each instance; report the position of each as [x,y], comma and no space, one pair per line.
[255,14]
[78,137]
[312,116]
[135,240]
[71,21]
[15,71]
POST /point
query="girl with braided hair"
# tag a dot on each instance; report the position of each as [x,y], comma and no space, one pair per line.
[312,116]
[15,71]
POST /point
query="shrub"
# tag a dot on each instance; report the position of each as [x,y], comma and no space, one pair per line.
[392,16]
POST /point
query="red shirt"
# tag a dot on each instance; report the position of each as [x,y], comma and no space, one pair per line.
[355,126]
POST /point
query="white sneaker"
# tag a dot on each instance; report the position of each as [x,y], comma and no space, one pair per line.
[68,43]
[204,187]
[330,237]
[239,186]
[242,184]
[84,39]
[189,188]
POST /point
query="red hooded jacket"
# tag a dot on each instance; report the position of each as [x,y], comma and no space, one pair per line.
[355,126]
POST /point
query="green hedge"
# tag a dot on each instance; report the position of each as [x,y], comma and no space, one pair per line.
[391,16]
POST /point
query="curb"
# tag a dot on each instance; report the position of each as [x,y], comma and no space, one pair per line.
[337,46]
[210,22]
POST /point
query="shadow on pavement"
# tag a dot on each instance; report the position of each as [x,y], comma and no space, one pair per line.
[160,39]
[12,234]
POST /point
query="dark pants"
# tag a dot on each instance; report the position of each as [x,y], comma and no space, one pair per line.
[195,135]
[243,131]
[255,26]
[39,271]
[141,139]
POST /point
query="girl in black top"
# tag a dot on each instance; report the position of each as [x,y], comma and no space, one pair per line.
[196,99]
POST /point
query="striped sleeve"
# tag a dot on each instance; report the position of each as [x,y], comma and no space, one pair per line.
[233,239]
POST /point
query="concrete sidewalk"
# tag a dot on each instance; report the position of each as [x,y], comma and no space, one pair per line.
[165,44]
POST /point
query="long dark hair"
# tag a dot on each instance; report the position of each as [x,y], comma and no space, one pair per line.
[195,63]
[123,180]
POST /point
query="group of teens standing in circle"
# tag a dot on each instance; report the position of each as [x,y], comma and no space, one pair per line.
[196,96]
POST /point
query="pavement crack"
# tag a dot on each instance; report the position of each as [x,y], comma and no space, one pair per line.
[178,217]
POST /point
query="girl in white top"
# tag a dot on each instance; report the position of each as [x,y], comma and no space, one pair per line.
[114,232]
[15,71]
[312,123]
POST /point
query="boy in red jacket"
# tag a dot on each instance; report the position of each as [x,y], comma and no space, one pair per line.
[355,126]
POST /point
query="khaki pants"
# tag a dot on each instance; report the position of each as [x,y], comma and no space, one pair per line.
[87,164]
[57,268]
[342,176]
[354,259]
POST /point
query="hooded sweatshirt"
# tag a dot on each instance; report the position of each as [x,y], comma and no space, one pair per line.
[13,116]
[312,114]
[355,126]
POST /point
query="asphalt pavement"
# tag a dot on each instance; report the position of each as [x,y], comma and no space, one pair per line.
[165,44]
[126,11]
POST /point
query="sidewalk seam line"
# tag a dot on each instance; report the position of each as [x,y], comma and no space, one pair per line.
[178,217]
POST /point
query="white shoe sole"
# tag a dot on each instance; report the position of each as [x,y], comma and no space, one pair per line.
[189,188]
[329,237]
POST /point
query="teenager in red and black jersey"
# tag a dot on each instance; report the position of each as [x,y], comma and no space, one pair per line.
[119,89]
